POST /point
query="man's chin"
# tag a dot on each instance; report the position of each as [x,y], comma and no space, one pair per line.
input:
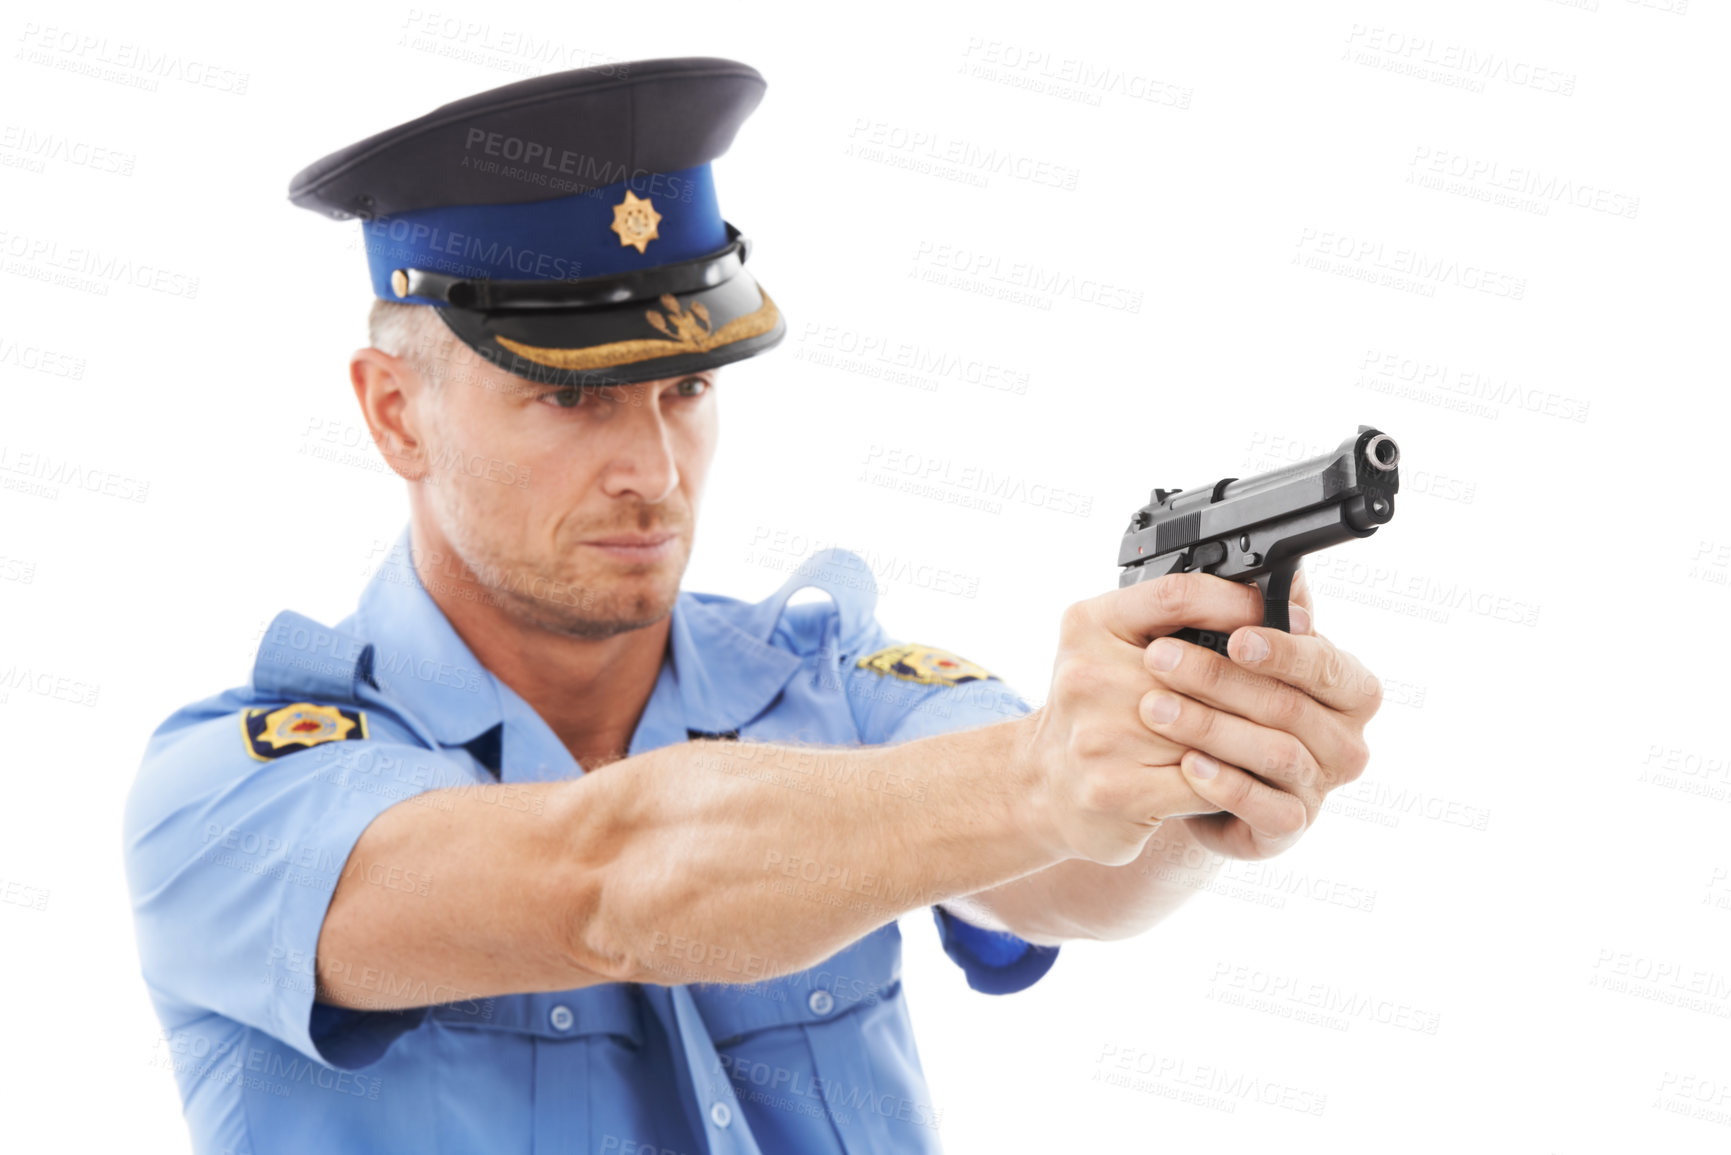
[618,613]
[618,597]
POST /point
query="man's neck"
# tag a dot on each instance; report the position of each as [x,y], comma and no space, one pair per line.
[590,691]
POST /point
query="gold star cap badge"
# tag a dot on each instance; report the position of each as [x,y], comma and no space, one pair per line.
[636,221]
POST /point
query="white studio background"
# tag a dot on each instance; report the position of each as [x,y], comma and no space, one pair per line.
[1090,250]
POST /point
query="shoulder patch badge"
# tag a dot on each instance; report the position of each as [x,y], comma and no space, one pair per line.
[927,664]
[272,733]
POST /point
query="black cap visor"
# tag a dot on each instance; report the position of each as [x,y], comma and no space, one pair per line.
[675,320]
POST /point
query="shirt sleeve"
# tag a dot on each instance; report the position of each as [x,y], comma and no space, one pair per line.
[891,710]
[996,963]
[232,862]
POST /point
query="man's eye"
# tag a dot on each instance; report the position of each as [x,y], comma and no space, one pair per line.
[692,387]
[568,398]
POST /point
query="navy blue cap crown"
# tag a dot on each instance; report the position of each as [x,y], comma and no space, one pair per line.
[544,218]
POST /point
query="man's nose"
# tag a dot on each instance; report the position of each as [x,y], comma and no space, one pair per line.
[643,461]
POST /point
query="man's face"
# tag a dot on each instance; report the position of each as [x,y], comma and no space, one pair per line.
[576,507]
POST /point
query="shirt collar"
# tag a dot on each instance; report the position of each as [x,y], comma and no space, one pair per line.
[418,657]
[723,670]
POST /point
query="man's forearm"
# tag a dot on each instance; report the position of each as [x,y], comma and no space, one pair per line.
[1077,899]
[711,861]
[730,861]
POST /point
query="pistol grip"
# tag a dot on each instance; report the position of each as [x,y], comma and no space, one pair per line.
[1209,639]
[1276,587]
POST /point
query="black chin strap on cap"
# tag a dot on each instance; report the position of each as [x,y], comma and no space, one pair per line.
[686,277]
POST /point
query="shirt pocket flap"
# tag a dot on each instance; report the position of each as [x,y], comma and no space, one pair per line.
[613,1009]
[863,974]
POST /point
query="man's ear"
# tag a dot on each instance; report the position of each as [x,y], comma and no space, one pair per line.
[392,397]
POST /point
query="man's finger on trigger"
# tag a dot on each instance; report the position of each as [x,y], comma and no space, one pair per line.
[1272,813]
[1150,609]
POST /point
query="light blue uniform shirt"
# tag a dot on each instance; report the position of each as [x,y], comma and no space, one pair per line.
[232,861]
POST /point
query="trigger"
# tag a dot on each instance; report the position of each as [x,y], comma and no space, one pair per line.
[1210,553]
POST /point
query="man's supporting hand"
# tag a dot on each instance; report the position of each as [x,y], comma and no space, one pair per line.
[1111,772]
[1270,731]
[1241,758]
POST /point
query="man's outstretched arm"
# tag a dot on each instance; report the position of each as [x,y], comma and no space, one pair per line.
[673,866]
[667,867]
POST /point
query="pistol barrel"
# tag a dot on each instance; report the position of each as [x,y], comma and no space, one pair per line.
[1243,528]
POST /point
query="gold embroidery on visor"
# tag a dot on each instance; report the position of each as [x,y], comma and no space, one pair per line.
[687,332]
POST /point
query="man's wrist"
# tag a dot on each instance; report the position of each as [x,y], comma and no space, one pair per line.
[1033,807]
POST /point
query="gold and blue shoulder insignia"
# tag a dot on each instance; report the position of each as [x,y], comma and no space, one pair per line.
[927,664]
[271,733]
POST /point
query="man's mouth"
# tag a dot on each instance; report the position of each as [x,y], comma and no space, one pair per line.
[636,546]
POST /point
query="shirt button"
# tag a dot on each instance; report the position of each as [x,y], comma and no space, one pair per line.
[821,1002]
[721,1114]
[561,1017]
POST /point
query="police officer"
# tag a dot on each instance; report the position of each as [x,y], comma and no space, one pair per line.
[536,851]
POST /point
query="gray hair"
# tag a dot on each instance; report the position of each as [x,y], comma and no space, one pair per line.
[413,333]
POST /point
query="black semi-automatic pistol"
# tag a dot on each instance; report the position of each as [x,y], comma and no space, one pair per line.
[1259,528]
